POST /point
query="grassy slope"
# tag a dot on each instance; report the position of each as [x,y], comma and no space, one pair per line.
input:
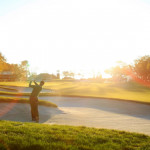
[128,91]
[25,100]
[22,136]
[7,88]
[14,84]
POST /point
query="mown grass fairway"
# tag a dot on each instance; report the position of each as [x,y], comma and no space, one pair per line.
[15,84]
[25,101]
[127,91]
[31,136]
[6,88]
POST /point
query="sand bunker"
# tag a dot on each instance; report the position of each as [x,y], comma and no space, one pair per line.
[99,113]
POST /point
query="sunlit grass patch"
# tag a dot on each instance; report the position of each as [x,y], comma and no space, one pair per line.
[121,91]
[25,101]
[124,91]
[23,84]
[21,136]
[8,88]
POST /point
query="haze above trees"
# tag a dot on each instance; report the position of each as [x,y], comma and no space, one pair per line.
[140,70]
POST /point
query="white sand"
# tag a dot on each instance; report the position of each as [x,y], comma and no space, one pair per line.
[99,113]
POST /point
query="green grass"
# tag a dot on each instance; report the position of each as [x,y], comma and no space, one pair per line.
[22,136]
[23,84]
[32,136]
[8,88]
[25,100]
[126,91]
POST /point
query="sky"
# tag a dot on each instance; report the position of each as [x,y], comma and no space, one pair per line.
[86,36]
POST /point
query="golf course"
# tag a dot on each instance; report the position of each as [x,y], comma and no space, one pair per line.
[74,111]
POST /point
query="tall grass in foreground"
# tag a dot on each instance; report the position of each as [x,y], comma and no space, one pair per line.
[31,136]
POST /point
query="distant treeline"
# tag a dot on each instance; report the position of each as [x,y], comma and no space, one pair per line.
[139,70]
[122,72]
[13,72]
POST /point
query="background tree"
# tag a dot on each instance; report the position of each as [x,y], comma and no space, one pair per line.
[2,58]
[58,74]
[16,71]
[20,71]
[119,72]
[24,70]
[32,76]
[141,68]
[68,74]
[99,76]
[72,74]
[2,62]
[65,73]
[45,77]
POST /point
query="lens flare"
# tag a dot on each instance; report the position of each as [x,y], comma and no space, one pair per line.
[7,108]
[9,105]
[134,77]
